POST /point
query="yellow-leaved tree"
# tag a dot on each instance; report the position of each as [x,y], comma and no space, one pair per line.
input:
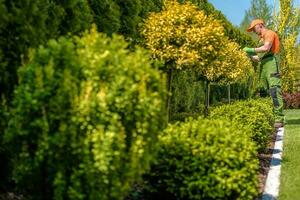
[230,66]
[183,37]
[287,24]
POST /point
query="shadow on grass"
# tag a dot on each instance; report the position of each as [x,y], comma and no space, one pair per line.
[293,121]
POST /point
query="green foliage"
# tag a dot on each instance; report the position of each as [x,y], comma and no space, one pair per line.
[232,32]
[124,17]
[26,24]
[187,95]
[203,159]
[183,35]
[106,15]
[5,167]
[69,16]
[255,117]
[30,23]
[85,119]
[133,13]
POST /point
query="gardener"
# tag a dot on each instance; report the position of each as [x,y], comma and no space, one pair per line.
[266,54]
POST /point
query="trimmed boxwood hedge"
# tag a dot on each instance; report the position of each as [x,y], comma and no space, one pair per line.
[255,117]
[202,159]
[85,119]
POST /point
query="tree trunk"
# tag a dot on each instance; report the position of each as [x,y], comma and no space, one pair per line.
[228,90]
[207,91]
[169,90]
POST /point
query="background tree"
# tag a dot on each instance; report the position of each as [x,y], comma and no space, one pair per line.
[259,9]
[184,37]
[189,102]
[25,25]
[297,71]
[287,24]
[123,17]
[31,23]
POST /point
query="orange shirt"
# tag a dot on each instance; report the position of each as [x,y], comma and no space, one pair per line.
[272,37]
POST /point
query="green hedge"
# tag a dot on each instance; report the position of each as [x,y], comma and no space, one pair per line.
[85,119]
[187,95]
[24,25]
[29,23]
[123,17]
[202,159]
[254,116]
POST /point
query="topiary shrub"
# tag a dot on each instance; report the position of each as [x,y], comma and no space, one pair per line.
[266,106]
[203,159]
[255,117]
[185,36]
[85,119]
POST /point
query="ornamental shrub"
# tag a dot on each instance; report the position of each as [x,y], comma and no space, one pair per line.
[291,100]
[185,37]
[230,67]
[85,118]
[183,34]
[255,117]
[203,159]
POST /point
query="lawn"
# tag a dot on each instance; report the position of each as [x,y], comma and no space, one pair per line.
[290,174]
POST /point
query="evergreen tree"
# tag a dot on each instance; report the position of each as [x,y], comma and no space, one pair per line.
[106,14]
[259,9]
[123,17]
[26,24]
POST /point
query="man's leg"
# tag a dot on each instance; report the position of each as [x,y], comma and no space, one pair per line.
[274,82]
[262,87]
[278,105]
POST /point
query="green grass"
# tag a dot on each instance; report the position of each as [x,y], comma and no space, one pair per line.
[290,171]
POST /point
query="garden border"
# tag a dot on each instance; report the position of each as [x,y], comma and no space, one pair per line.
[271,190]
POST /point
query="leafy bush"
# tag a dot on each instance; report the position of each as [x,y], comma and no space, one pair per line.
[291,100]
[183,35]
[29,23]
[231,31]
[203,159]
[85,118]
[255,117]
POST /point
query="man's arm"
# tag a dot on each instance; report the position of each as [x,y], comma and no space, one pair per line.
[265,48]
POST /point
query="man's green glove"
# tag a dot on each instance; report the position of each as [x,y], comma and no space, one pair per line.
[249,50]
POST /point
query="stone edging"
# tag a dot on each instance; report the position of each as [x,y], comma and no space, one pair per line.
[273,180]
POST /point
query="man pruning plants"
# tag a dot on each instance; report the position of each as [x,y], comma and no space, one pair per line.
[266,54]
